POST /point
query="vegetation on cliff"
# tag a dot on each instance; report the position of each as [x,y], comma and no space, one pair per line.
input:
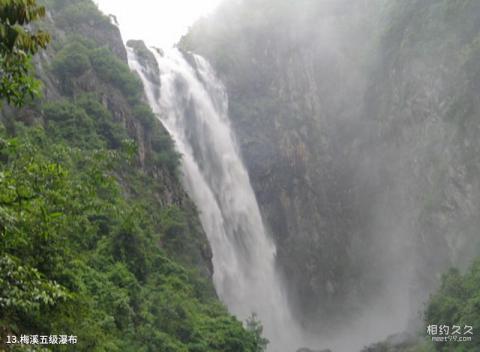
[98,239]
[17,44]
[457,303]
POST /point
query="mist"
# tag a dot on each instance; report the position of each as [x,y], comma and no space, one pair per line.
[342,121]
[359,126]
[240,175]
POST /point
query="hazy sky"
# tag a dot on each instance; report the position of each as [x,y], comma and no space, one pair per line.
[158,22]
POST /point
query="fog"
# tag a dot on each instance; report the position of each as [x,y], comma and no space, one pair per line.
[341,117]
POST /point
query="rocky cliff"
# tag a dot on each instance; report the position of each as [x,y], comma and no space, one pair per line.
[87,56]
[357,121]
[99,240]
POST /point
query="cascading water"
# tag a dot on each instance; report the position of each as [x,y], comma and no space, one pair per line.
[192,105]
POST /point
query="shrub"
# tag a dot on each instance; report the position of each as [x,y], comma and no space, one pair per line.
[70,122]
[77,13]
[144,114]
[72,61]
[112,132]
[113,70]
[457,302]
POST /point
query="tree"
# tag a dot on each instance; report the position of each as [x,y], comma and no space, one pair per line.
[255,327]
[457,302]
[18,43]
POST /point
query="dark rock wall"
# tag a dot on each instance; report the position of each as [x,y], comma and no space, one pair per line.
[358,124]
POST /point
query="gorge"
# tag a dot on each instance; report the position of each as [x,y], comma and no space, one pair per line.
[192,105]
[299,171]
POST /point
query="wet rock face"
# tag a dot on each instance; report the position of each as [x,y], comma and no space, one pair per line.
[293,110]
[361,143]
[109,35]
[147,60]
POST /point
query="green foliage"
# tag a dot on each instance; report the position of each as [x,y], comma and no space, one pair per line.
[23,288]
[256,328]
[84,123]
[105,127]
[79,56]
[79,258]
[82,57]
[457,302]
[78,13]
[72,61]
[176,229]
[112,70]
[17,45]
[14,15]
[144,114]
[164,152]
[68,121]
[88,246]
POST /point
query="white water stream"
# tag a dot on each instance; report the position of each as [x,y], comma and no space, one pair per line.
[193,107]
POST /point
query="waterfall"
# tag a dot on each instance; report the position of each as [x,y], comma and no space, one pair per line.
[192,104]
